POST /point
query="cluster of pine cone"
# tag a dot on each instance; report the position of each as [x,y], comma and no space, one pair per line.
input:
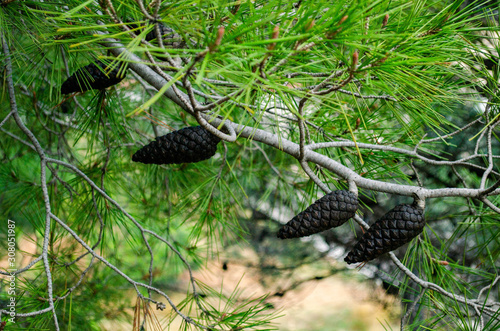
[396,228]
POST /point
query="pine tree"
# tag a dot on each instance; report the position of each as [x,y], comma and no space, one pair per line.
[392,99]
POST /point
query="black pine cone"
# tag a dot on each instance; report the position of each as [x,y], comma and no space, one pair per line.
[191,144]
[92,76]
[330,211]
[396,228]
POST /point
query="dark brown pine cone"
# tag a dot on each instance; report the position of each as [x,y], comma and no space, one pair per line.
[191,144]
[92,76]
[394,229]
[332,210]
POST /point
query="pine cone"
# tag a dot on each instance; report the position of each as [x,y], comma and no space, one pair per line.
[332,210]
[170,37]
[92,76]
[394,229]
[191,144]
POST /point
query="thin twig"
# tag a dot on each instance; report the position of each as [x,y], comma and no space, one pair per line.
[5,119]
[408,313]
[313,176]
[416,174]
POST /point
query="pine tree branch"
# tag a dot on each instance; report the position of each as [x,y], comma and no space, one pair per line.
[19,271]
[5,119]
[293,149]
[101,229]
[43,162]
[413,153]
[490,159]
[451,134]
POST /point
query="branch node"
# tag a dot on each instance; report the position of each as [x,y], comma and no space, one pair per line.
[419,199]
